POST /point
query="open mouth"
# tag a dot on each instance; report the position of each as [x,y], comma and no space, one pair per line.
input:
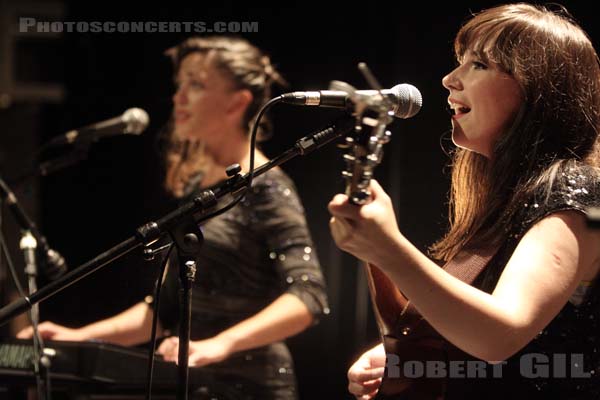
[461,110]
[458,109]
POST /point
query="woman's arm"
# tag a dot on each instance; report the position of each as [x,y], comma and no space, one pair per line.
[129,327]
[284,317]
[546,267]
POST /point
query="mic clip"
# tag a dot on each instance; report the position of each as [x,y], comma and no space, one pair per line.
[150,253]
[358,103]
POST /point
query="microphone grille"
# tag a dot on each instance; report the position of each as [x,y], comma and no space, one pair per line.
[409,100]
[136,119]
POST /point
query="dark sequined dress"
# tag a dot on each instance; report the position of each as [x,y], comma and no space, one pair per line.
[252,254]
[563,361]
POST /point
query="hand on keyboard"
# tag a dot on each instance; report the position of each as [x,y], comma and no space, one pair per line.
[50,330]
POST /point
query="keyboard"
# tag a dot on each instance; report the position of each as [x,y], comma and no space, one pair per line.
[92,366]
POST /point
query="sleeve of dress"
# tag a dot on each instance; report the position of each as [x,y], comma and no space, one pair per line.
[575,187]
[290,247]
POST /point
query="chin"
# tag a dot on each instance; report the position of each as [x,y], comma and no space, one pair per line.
[462,142]
[458,137]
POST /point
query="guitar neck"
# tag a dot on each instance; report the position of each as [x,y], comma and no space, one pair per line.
[389,304]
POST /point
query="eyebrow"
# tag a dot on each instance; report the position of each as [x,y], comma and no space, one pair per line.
[189,74]
[473,53]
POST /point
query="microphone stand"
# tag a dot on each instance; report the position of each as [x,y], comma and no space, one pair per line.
[188,241]
[78,153]
[41,363]
[182,226]
[28,244]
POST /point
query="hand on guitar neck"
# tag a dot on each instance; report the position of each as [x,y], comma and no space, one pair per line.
[368,232]
[365,231]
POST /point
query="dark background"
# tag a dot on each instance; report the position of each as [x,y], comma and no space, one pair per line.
[86,209]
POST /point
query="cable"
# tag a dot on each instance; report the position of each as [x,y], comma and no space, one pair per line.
[156,302]
[11,266]
[253,135]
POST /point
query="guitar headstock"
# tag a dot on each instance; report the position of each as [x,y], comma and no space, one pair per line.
[364,153]
[365,142]
[374,110]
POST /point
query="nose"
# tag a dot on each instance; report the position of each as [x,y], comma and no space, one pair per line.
[452,80]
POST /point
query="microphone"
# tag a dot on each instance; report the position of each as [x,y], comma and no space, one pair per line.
[406,99]
[53,263]
[133,121]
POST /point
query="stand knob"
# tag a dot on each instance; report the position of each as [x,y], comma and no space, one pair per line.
[233,170]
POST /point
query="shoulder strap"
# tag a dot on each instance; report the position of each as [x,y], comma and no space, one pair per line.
[468,264]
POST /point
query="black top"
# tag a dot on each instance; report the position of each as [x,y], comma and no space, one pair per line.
[251,255]
[563,361]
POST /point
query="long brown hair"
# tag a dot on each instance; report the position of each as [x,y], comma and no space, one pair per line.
[557,68]
[248,68]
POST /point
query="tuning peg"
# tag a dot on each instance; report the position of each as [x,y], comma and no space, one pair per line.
[386,138]
[360,197]
[373,159]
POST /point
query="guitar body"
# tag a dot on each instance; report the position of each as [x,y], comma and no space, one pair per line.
[410,343]
[415,351]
